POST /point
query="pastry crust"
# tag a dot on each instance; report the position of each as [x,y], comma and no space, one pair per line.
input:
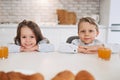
[84,75]
[36,76]
[15,75]
[3,76]
[20,76]
[64,75]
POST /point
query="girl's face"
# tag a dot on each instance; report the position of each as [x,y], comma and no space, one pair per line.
[28,39]
[87,32]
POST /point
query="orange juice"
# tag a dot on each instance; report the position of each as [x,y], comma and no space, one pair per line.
[5,51]
[104,53]
[1,52]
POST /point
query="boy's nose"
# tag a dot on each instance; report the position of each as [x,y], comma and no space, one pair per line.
[87,33]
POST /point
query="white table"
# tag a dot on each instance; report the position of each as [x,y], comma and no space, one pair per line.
[49,64]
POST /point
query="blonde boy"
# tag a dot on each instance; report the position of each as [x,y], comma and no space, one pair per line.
[87,32]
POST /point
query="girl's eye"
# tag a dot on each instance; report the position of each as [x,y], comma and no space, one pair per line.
[90,30]
[32,37]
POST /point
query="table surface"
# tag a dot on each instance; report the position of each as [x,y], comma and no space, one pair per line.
[49,64]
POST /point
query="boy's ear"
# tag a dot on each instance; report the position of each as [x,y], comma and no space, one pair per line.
[97,34]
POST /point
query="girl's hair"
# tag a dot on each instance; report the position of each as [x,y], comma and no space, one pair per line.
[89,20]
[33,26]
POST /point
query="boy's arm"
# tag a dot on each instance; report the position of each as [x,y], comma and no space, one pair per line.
[93,49]
[89,49]
[81,49]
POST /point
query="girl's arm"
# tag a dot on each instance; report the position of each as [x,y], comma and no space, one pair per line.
[46,47]
[35,48]
[13,48]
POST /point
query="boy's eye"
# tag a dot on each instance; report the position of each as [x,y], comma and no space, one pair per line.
[23,37]
[82,31]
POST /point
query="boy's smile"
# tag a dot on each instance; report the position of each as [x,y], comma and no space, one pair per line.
[87,32]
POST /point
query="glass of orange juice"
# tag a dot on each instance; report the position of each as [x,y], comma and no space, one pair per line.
[3,52]
[104,53]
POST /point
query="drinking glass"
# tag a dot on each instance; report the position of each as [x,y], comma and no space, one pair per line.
[104,53]
[3,52]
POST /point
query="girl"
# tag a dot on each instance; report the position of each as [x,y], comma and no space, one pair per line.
[29,38]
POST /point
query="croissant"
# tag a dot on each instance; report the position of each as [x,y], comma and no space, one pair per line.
[3,76]
[16,75]
[64,75]
[20,76]
[84,75]
[36,76]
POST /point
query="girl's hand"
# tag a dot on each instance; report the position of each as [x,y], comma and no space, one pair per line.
[23,49]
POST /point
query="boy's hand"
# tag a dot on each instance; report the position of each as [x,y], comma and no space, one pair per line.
[81,49]
[88,49]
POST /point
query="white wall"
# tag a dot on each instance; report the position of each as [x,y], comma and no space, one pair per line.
[110,14]
[104,12]
[14,11]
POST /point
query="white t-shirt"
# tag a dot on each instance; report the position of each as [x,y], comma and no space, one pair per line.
[72,47]
[78,42]
[44,46]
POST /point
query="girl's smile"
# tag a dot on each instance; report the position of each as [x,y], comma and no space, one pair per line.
[28,39]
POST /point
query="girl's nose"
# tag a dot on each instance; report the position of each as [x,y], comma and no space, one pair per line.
[27,39]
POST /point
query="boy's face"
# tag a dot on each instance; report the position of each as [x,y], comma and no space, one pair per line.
[28,39]
[87,32]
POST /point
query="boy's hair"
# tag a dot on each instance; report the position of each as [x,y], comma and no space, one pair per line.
[89,20]
[33,26]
